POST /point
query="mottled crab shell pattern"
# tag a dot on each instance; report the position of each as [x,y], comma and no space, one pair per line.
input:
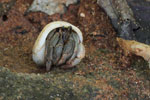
[39,46]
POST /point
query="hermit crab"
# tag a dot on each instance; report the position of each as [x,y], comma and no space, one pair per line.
[59,44]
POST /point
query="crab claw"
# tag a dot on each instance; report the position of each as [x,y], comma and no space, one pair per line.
[80,55]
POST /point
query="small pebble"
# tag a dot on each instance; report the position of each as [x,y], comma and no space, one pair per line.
[82,15]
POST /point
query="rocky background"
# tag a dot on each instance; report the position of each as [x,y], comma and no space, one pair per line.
[130,18]
[105,72]
[141,10]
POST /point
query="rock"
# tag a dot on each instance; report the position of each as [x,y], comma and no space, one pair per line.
[130,18]
[141,11]
[121,16]
[117,10]
[42,87]
[51,6]
[68,86]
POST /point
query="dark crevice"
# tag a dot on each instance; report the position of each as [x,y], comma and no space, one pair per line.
[136,29]
[4,18]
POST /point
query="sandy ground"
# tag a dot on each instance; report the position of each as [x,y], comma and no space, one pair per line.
[19,31]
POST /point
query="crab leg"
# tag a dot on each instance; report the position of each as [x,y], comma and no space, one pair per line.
[67,51]
[79,56]
[50,44]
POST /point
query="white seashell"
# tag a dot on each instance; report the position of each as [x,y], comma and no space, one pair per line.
[39,46]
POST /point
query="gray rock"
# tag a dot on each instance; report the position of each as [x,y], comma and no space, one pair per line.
[65,85]
[129,17]
[51,6]
[48,86]
[121,16]
[116,9]
[141,11]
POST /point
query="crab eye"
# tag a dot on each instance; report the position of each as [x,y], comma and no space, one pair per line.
[57,29]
